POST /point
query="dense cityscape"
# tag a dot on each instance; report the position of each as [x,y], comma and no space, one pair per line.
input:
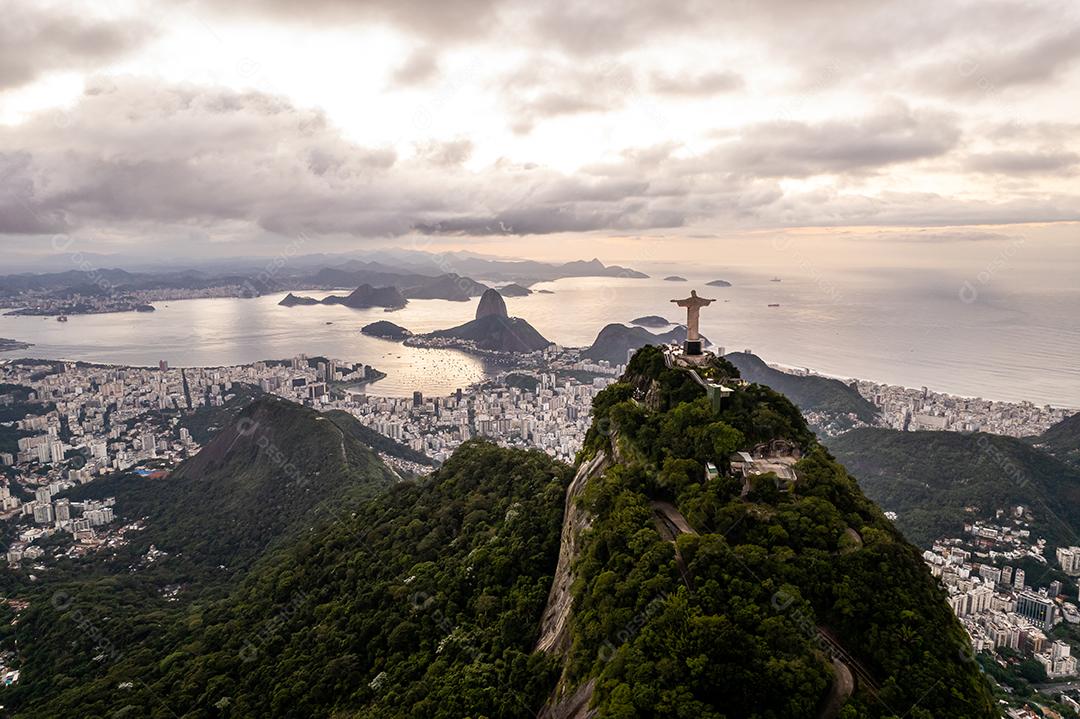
[104,419]
[908,409]
[1026,621]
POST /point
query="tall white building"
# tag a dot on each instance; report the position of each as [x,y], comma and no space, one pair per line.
[43,514]
[56,452]
[1069,559]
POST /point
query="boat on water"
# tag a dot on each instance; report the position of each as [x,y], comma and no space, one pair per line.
[775,279]
[774,304]
[62,318]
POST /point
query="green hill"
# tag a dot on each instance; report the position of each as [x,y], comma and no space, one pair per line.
[741,613]
[842,405]
[929,478]
[378,442]
[421,602]
[1062,440]
[276,468]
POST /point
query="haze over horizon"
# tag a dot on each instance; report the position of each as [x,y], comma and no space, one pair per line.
[886,134]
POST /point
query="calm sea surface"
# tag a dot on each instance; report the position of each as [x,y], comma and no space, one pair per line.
[904,327]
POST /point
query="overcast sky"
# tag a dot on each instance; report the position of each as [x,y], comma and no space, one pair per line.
[535,129]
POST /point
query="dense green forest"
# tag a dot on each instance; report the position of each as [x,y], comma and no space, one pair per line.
[303,578]
[728,621]
[931,479]
[423,601]
[1062,440]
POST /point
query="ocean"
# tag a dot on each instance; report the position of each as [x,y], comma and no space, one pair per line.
[912,328]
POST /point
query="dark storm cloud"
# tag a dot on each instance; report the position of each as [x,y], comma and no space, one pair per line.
[134,152]
[1008,63]
[545,219]
[35,41]
[135,155]
[794,149]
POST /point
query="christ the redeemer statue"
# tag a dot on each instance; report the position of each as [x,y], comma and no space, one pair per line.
[693,305]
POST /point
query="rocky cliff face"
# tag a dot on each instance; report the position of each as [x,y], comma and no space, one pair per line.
[567,702]
[491,305]
[554,627]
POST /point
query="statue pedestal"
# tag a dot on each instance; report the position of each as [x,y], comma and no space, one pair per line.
[692,348]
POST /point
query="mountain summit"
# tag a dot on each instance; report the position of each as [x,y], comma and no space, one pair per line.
[491,304]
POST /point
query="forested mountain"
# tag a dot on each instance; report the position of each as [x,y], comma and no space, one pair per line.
[505,585]
[1063,440]
[423,601]
[768,598]
[839,404]
[935,481]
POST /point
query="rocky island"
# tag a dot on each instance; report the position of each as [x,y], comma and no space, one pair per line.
[493,330]
[719,283]
[366,296]
[291,300]
[674,278]
[363,297]
[386,330]
[7,345]
[514,290]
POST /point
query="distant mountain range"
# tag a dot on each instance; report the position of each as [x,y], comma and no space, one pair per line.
[362,297]
[447,286]
[525,272]
[418,275]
